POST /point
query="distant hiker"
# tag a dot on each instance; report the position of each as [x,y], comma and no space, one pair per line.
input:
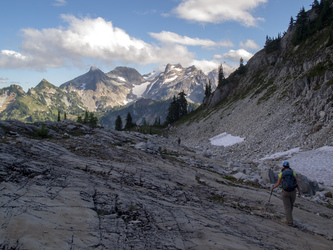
[289,184]
[179,141]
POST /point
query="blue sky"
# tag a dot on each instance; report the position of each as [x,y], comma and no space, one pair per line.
[60,39]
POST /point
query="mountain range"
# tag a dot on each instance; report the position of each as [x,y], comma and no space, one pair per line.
[100,92]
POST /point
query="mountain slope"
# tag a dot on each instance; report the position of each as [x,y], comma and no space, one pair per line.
[283,99]
[97,90]
[39,104]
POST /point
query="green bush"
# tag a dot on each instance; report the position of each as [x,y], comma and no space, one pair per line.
[43,132]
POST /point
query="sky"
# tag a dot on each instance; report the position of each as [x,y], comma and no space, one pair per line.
[59,40]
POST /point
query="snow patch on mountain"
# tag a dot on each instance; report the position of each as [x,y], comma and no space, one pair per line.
[170,79]
[121,79]
[225,140]
[152,75]
[138,90]
[289,153]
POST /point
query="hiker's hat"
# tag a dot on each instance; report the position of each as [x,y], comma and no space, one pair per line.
[285,164]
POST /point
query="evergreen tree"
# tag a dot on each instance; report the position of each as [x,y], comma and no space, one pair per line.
[301,27]
[220,75]
[118,123]
[65,116]
[58,116]
[173,111]
[92,120]
[208,89]
[129,123]
[241,69]
[292,22]
[272,44]
[86,117]
[79,119]
[326,13]
[177,108]
[182,104]
[315,4]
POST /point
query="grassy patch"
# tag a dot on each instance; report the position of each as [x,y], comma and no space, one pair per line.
[217,198]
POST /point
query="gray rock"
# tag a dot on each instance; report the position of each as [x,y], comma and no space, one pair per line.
[268,175]
[97,191]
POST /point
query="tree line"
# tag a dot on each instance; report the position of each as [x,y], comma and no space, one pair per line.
[177,109]
[304,28]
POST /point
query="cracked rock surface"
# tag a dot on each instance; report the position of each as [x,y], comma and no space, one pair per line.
[96,189]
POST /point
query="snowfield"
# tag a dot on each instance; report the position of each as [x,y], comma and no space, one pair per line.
[315,164]
[138,90]
[225,140]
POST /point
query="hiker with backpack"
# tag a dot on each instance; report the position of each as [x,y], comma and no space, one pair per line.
[289,183]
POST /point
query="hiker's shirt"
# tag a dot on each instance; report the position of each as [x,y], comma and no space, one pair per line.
[280,176]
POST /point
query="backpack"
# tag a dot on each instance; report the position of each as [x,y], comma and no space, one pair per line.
[289,182]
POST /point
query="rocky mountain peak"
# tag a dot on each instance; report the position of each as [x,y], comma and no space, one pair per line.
[173,67]
[44,84]
[126,75]
[92,68]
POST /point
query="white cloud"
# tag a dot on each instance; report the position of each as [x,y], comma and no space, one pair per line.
[87,38]
[60,2]
[170,37]
[249,44]
[235,55]
[217,11]
[3,80]
[207,66]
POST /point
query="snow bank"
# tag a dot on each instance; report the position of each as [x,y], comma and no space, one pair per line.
[280,154]
[315,164]
[138,90]
[225,140]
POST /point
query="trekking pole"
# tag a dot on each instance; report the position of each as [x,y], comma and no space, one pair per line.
[270,196]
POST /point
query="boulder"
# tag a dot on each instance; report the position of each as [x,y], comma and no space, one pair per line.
[268,175]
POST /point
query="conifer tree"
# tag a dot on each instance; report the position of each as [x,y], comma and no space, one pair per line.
[129,123]
[241,70]
[92,120]
[65,116]
[58,116]
[173,111]
[182,104]
[291,23]
[220,75]
[79,119]
[86,117]
[208,89]
[118,123]
[315,4]
[177,108]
